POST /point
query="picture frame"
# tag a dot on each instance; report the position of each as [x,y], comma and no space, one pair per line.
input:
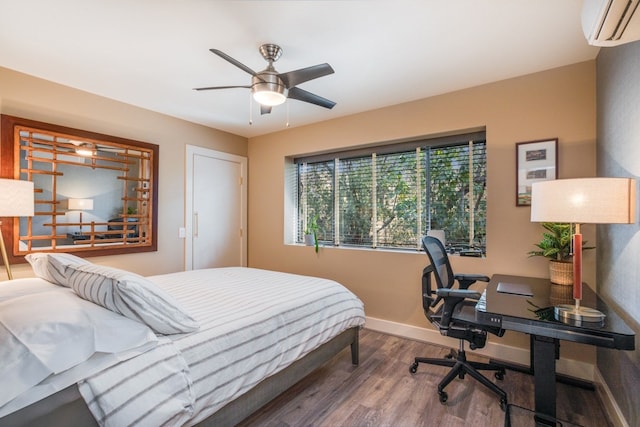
[535,161]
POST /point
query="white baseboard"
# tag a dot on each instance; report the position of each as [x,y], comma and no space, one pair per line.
[494,349]
[610,404]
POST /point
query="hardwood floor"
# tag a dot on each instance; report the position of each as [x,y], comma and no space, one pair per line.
[381,392]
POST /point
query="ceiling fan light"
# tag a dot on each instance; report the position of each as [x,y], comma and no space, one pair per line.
[269,97]
[84,151]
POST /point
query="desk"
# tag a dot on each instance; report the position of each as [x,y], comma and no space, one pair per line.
[533,315]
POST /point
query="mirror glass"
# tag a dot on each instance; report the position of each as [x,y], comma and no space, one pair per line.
[93,192]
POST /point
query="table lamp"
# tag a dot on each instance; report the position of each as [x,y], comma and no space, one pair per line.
[80,205]
[16,199]
[583,201]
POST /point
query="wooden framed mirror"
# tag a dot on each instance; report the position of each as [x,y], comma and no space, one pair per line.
[95,194]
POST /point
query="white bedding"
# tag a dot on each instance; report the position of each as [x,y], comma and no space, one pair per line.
[46,329]
[160,391]
[253,323]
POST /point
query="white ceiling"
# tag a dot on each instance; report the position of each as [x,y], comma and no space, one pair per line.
[152,53]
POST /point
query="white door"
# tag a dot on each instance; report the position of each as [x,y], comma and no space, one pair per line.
[216,218]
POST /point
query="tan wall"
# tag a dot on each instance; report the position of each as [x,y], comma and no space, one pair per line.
[557,103]
[37,99]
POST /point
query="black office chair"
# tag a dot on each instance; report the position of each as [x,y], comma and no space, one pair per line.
[455,318]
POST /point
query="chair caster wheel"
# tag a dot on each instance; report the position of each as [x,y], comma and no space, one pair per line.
[499,376]
[443,397]
[503,405]
[413,368]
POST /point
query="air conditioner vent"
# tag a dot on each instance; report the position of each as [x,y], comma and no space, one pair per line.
[611,22]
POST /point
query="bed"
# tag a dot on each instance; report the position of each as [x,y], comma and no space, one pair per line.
[243,337]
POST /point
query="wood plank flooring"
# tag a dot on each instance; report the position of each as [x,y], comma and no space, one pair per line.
[381,392]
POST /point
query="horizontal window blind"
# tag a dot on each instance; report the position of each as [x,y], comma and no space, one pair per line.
[390,199]
[354,201]
[316,199]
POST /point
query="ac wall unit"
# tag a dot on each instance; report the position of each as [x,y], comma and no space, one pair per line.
[610,22]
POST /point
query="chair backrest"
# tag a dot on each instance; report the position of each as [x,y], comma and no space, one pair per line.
[442,271]
[441,314]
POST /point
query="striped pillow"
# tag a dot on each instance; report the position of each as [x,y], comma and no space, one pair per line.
[51,266]
[131,295]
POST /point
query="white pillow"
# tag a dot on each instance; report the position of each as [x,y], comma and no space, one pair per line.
[51,266]
[130,295]
[47,329]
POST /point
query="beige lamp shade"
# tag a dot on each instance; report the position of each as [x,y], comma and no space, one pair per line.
[16,198]
[80,204]
[584,200]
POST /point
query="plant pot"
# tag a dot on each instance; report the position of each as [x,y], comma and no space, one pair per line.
[561,272]
[561,294]
[309,240]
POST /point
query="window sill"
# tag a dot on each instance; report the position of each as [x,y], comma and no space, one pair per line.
[361,248]
[387,250]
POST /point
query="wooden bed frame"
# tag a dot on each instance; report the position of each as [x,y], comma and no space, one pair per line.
[67,407]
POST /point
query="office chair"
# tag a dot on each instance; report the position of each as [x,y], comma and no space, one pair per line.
[455,318]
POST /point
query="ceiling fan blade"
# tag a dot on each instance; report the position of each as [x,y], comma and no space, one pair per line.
[220,87]
[265,109]
[294,78]
[303,95]
[233,61]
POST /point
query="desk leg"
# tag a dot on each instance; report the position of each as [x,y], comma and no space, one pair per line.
[544,373]
[564,379]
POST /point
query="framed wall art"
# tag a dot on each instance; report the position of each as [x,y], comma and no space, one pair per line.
[535,161]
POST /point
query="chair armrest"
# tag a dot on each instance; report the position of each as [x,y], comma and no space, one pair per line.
[458,293]
[453,297]
[466,280]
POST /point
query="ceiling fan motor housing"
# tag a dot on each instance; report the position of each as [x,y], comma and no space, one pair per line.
[270,52]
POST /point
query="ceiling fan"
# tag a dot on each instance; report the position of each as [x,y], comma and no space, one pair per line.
[271,88]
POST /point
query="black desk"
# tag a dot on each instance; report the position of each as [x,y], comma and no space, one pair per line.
[534,315]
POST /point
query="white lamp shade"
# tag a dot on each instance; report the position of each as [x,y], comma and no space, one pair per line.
[80,204]
[584,201]
[16,197]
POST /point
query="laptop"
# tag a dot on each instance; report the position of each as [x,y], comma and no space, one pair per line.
[515,289]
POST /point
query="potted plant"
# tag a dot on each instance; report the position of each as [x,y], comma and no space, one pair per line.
[311,234]
[556,245]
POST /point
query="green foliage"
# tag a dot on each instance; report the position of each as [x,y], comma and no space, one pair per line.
[396,201]
[355,196]
[556,242]
[449,194]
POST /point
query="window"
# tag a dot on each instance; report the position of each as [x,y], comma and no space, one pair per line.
[390,196]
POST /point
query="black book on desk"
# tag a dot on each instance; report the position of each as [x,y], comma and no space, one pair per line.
[78,236]
[471,252]
[113,225]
